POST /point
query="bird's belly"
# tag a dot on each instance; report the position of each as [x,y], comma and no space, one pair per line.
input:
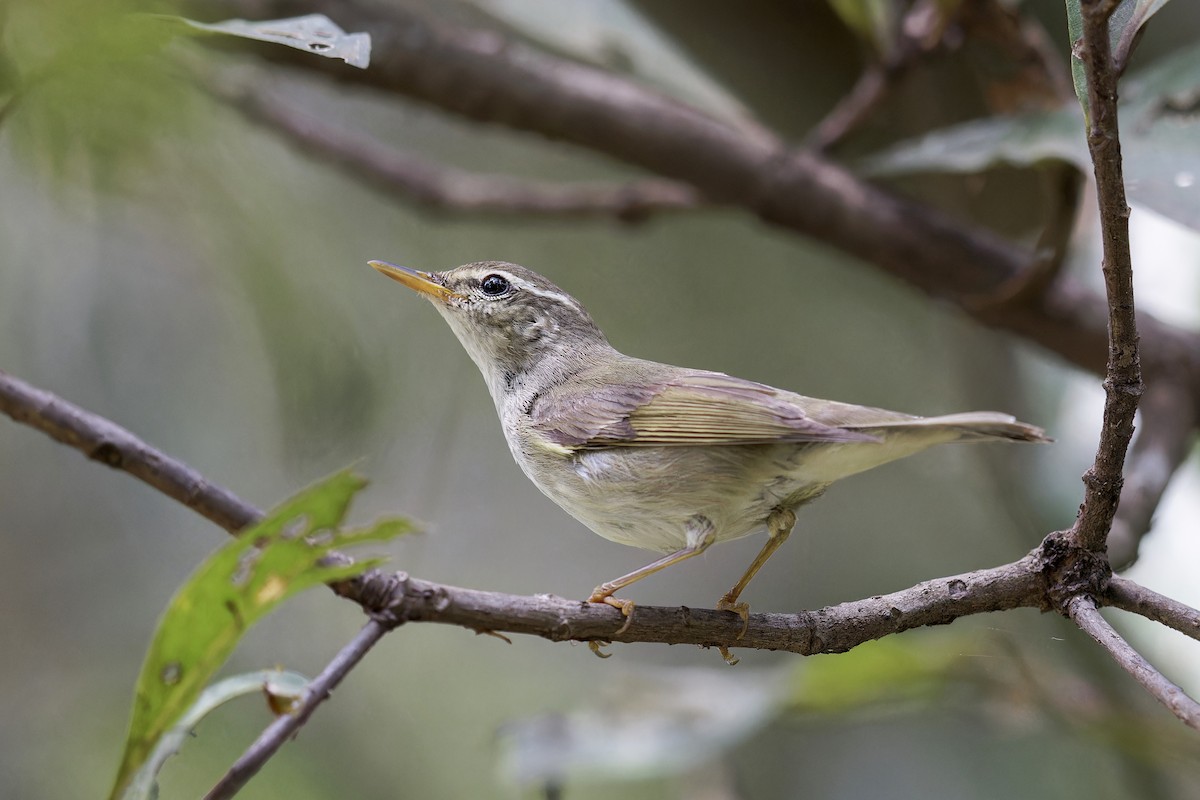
[649,497]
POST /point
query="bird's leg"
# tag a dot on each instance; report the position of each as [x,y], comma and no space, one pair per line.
[779,525]
[700,535]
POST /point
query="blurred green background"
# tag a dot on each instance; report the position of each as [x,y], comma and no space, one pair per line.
[168,265]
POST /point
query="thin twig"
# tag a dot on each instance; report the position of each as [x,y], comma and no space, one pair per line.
[441,187]
[918,33]
[1083,611]
[1123,375]
[1137,599]
[105,441]
[286,725]
[853,108]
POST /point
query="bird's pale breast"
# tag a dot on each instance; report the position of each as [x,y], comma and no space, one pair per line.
[646,496]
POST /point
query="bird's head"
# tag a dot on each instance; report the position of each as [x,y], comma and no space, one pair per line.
[510,319]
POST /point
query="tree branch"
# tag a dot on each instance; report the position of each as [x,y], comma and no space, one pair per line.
[286,725]
[411,178]
[834,629]
[1123,374]
[1128,596]
[1082,610]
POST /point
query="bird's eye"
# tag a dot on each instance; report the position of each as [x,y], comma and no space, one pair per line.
[494,285]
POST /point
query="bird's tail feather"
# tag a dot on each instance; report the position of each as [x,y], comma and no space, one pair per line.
[972,426]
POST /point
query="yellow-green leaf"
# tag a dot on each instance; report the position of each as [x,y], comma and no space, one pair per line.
[233,589]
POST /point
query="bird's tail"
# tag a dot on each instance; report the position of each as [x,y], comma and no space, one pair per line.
[972,426]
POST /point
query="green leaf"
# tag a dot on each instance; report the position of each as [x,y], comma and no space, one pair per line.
[1075,37]
[1160,140]
[233,589]
[273,682]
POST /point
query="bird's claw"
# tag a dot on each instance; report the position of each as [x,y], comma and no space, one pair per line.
[626,607]
[741,609]
[729,657]
[595,646]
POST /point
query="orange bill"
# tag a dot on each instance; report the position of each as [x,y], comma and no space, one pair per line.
[420,282]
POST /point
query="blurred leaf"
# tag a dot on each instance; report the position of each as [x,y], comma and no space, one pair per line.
[233,589]
[616,36]
[97,91]
[273,682]
[976,145]
[873,21]
[1160,137]
[887,670]
[314,33]
[643,725]
[94,89]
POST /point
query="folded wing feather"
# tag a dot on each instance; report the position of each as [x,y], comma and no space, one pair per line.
[682,409]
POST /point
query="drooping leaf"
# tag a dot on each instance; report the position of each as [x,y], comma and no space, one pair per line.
[1160,138]
[312,33]
[233,589]
[976,145]
[1127,23]
[289,686]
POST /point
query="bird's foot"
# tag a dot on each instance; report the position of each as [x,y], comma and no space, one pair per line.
[626,607]
[729,657]
[728,603]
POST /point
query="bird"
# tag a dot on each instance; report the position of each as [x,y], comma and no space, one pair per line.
[660,457]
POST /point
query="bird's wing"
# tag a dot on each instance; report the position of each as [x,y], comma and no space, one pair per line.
[678,409]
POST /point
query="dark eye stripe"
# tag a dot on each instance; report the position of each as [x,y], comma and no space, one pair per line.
[494,285]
